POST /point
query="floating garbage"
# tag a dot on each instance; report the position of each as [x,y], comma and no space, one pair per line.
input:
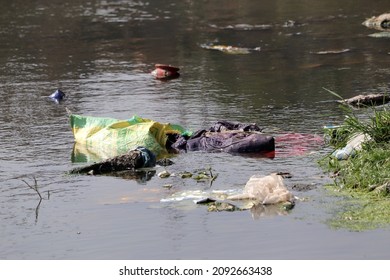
[199,196]
[380,35]
[164,71]
[57,96]
[367,100]
[231,137]
[185,175]
[244,26]
[381,22]
[164,174]
[97,137]
[111,137]
[262,196]
[230,49]
[338,51]
[265,190]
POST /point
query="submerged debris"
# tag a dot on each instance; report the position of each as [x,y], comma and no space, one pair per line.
[206,200]
[303,187]
[222,206]
[230,49]
[380,35]
[384,188]
[164,162]
[164,174]
[244,26]
[167,186]
[367,100]
[185,174]
[339,51]
[134,159]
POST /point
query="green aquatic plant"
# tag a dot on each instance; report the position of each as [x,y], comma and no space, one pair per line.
[359,210]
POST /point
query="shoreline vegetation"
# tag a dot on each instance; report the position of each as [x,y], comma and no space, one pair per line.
[362,179]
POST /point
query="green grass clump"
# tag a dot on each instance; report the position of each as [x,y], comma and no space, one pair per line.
[369,167]
[363,179]
[367,170]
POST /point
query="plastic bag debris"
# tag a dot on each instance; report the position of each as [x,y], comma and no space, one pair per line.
[112,137]
[265,190]
[57,96]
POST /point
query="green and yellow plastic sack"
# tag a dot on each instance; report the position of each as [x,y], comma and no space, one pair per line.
[99,138]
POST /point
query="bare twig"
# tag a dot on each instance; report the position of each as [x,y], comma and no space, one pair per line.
[34,187]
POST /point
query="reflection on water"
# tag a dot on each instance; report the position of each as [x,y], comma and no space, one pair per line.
[101,53]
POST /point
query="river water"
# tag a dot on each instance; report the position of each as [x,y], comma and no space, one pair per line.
[101,53]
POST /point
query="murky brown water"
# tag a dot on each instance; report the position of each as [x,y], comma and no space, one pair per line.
[100,53]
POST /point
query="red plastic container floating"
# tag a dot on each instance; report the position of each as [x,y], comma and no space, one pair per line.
[164,71]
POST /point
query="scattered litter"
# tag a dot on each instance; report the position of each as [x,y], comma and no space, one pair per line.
[244,26]
[353,145]
[380,35]
[164,162]
[206,200]
[228,137]
[164,174]
[289,23]
[230,49]
[165,72]
[367,100]
[333,51]
[222,206]
[199,195]
[381,22]
[265,190]
[167,186]
[185,174]
[57,96]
